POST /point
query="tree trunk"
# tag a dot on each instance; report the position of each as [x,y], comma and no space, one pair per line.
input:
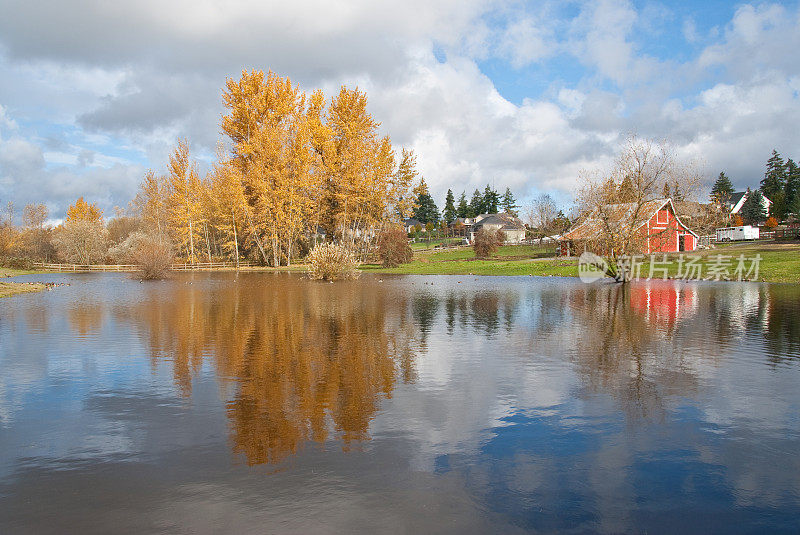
[235,240]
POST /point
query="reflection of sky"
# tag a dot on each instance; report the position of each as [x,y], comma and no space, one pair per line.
[509,421]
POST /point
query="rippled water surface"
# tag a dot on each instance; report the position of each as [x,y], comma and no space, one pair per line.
[266,403]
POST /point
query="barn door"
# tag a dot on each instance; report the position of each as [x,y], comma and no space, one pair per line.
[682,242]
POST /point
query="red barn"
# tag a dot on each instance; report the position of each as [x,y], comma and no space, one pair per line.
[660,230]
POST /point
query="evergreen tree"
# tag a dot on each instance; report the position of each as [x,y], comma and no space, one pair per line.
[722,190]
[449,211]
[666,191]
[463,208]
[753,211]
[491,201]
[561,223]
[509,203]
[774,179]
[792,187]
[476,204]
[426,211]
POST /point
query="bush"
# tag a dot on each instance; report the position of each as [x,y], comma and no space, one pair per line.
[771,223]
[15,262]
[330,261]
[81,241]
[393,247]
[151,252]
[487,242]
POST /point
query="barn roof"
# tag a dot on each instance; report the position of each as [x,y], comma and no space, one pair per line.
[620,217]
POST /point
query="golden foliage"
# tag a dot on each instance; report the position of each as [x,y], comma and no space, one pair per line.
[83,211]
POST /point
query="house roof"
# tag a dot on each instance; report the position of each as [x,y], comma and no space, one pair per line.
[504,221]
[734,199]
[622,216]
[411,222]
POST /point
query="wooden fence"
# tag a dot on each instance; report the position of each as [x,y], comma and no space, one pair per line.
[127,268]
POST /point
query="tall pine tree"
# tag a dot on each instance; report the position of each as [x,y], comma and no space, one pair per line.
[752,210]
[449,211]
[773,184]
[491,201]
[792,187]
[509,203]
[426,211]
[722,190]
[476,204]
[463,208]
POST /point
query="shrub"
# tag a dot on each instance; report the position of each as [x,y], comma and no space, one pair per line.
[330,261]
[487,242]
[81,241]
[771,223]
[16,262]
[151,252]
[393,247]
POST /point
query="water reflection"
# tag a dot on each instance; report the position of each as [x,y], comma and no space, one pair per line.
[526,403]
[302,362]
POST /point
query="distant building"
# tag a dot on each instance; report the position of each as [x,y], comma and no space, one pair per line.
[736,201]
[410,223]
[510,226]
[661,229]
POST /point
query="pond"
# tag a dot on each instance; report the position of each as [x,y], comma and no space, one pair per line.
[254,403]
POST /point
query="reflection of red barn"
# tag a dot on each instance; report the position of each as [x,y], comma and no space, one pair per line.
[663,303]
[660,228]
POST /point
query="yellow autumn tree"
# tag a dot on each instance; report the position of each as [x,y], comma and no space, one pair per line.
[83,211]
[229,207]
[183,195]
[82,238]
[151,202]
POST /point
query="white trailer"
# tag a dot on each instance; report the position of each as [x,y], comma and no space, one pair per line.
[745,232]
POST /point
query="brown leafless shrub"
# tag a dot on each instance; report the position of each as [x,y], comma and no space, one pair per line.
[331,261]
[487,242]
[81,241]
[393,247]
[151,252]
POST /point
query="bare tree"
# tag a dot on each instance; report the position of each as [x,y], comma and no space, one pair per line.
[81,241]
[639,173]
[36,239]
[150,251]
[541,214]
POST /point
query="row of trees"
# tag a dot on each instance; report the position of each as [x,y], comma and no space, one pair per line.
[487,202]
[781,185]
[300,168]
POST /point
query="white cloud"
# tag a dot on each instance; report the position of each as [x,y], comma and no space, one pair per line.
[159,72]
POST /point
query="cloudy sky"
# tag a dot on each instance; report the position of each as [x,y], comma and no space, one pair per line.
[525,95]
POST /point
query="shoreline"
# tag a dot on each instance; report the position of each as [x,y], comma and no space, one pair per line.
[9,289]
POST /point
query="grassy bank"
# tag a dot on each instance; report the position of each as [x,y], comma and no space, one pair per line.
[779,262]
[7,289]
[9,272]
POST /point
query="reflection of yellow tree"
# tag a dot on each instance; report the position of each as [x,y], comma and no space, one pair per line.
[307,361]
[85,318]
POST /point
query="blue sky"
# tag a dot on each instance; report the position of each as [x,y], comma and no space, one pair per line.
[529,95]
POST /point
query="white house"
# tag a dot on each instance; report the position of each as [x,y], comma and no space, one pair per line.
[736,201]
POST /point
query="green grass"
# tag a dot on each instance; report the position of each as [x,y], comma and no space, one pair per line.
[10,272]
[779,262]
[7,289]
[421,245]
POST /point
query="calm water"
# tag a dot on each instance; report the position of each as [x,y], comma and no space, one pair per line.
[271,404]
